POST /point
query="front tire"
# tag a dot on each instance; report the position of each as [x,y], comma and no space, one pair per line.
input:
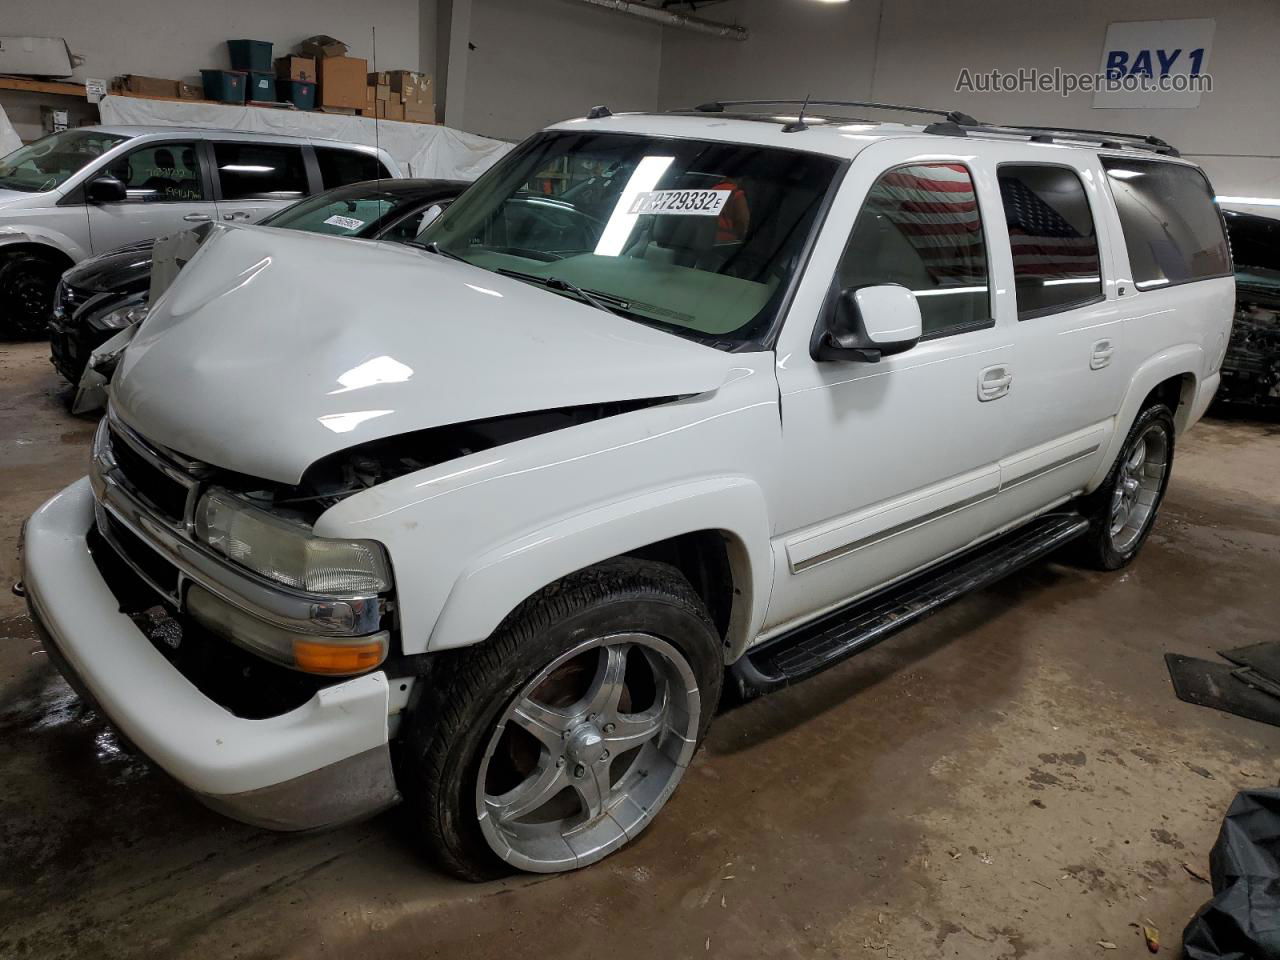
[27,285]
[560,738]
[1123,510]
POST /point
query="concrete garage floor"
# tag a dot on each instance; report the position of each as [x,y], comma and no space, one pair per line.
[1012,778]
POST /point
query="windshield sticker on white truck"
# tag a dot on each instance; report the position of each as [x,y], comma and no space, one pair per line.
[680,202]
[347,223]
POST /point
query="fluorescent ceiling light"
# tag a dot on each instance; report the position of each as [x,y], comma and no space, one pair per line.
[247,168]
[1255,201]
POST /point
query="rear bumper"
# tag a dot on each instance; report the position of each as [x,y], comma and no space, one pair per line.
[326,762]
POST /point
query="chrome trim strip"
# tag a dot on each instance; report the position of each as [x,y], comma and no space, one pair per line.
[903,527]
[1050,467]
[294,610]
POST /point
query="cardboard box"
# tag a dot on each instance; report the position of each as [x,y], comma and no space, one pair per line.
[420,112]
[342,82]
[381,76]
[341,111]
[391,109]
[190,91]
[381,91]
[321,46]
[411,87]
[296,68]
[140,86]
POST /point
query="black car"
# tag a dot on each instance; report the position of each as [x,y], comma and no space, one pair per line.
[1251,368]
[99,297]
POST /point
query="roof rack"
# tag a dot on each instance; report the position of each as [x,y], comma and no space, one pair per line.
[1108,139]
[952,116]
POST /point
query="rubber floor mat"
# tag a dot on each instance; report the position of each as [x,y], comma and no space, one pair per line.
[1257,680]
[1208,683]
[1263,658]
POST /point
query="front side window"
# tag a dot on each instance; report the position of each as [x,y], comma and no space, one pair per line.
[160,173]
[50,161]
[340,167]
[1051,233]
[695,237]
[1171,225]
[920,227]
[260,171]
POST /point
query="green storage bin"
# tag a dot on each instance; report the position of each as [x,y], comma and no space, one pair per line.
[227,86]
[301,93]
[250,54]
[262,85]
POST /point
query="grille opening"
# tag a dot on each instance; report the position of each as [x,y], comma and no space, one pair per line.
[149,482]
[120,539]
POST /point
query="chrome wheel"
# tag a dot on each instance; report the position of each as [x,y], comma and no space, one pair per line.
[588,752]
[1138,486]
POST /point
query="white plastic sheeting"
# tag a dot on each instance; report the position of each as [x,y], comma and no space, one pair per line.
[421,149]
[9,139]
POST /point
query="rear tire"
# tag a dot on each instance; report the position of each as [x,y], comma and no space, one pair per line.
[27,285]
[557,740]
[1123,510]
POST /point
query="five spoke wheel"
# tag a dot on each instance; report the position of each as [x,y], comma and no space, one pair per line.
[587,752]
[1138,486]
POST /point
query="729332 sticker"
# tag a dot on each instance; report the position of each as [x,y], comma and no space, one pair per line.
[680,202]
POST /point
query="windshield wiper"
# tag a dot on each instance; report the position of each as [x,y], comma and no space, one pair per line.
[601,301]
[435,248]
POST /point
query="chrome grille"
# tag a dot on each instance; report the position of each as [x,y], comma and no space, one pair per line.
[143,473]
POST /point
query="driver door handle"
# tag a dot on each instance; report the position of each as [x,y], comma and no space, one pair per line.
[197,218]
[236,215]
[994,382]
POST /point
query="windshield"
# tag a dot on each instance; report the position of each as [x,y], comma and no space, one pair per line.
[696,237]
[343,212]
[48,162]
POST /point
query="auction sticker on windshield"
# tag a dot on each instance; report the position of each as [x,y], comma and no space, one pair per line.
[680,202]
[347,223]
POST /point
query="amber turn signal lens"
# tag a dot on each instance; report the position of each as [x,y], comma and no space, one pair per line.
[338,658]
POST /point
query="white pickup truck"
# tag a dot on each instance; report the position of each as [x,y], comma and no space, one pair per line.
[664,402]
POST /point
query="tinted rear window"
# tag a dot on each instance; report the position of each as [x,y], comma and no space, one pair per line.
[1171,224]
[260,171]
[340,167]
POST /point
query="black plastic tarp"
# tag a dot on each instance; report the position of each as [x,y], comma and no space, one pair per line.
[1242,921]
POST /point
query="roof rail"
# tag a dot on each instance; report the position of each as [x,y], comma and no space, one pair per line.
[1108,139]
[953,116]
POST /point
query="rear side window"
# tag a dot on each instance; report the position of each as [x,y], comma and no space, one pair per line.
[1052,236]
[920,227]
[260,171]
[1171,224]
[340,167]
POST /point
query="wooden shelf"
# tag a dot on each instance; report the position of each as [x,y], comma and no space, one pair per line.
[58,87]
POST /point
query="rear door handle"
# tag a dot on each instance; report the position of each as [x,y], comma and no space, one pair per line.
[1102,351]
[994,382]
[197,218]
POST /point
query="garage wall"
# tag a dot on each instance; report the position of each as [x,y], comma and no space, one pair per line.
[534,62]
[177,39]
[800,46]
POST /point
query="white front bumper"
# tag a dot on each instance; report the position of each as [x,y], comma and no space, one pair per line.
[278,763]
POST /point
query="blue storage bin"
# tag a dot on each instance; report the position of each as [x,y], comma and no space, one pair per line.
[262,85]
[250,54]
[226,86]
[301,93]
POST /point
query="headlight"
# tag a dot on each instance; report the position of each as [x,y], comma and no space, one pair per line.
[288,552]
[125,315]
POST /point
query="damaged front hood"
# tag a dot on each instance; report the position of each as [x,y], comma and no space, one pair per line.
[274,348]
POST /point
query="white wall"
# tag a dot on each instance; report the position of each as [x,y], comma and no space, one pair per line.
[175,38]
[800,46]
[539,61]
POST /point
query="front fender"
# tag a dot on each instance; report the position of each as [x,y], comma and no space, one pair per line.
[1183,360]
[495,583]
[42,236]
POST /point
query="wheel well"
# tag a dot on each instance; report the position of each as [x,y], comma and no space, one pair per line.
[53,254]
[1175,393]
[704,557]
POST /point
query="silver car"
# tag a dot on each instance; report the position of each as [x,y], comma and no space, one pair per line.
[92,189]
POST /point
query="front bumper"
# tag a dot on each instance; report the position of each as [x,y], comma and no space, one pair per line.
[323,763]
[70,345]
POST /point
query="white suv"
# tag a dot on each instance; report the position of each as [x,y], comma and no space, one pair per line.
[92,189]
[663,401]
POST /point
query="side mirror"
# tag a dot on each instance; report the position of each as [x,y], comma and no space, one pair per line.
[105,189]
[867,323]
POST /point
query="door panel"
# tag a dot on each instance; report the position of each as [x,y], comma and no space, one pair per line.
[890,466]
[167,192]
[257,179]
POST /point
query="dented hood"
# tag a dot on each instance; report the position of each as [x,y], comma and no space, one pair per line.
[275,348]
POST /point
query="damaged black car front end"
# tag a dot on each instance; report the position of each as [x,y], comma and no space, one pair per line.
[1251,368]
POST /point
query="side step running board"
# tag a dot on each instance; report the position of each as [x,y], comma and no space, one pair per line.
[831,638]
